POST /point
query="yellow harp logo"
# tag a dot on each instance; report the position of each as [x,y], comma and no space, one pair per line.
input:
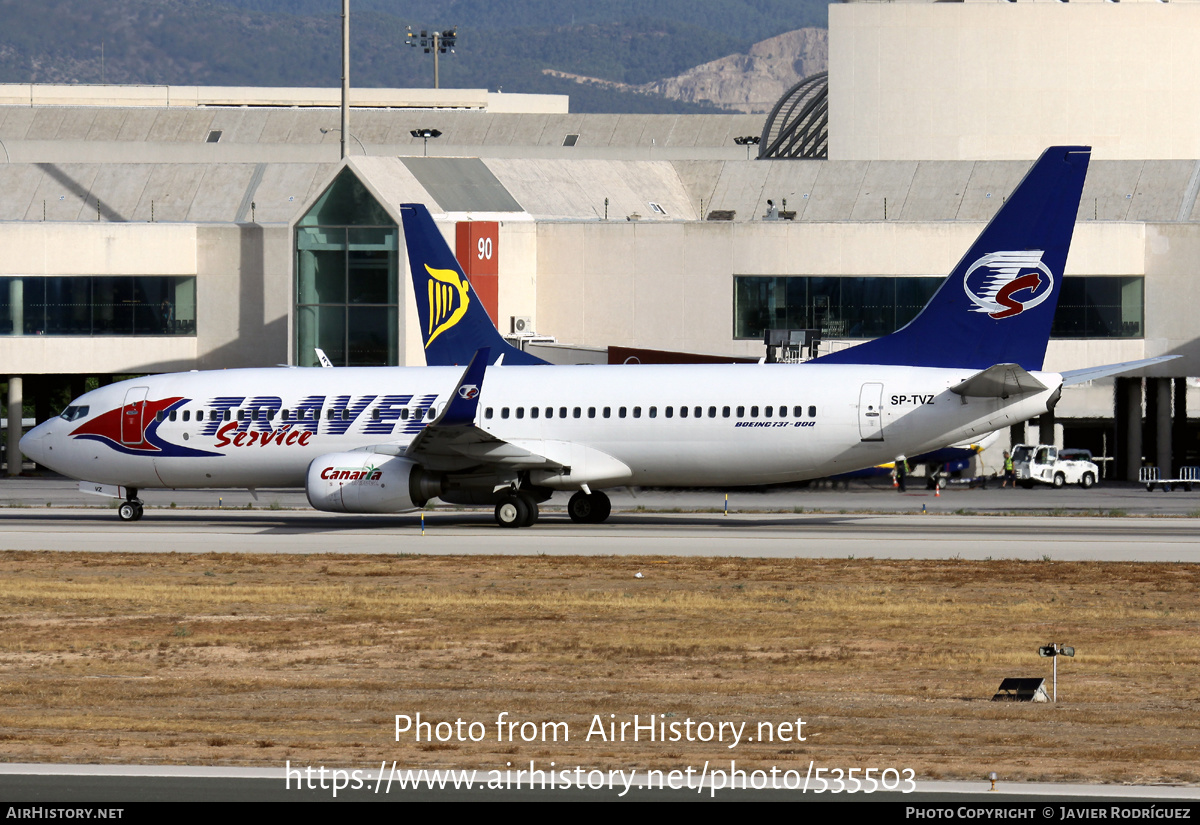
[444,309]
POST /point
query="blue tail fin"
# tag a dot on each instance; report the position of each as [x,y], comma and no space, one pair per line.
[997,305]
[454,324]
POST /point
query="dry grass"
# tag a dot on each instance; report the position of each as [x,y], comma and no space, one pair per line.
[247,659]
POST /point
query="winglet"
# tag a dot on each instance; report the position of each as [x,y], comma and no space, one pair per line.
[464,403]
[454,324]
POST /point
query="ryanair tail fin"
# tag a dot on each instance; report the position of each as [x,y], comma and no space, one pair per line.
[454,324]
[997,305]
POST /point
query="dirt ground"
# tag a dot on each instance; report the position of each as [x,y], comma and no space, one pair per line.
[260,660]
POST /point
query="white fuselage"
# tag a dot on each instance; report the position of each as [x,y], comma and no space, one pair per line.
[643,425]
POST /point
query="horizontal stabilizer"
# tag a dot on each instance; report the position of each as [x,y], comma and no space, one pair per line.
[1090,373]
[1000,381]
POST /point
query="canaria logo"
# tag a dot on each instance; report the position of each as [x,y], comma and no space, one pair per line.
[994,281]
[448,300]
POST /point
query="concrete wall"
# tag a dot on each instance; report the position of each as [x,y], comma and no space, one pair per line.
[953,81]
[243,295]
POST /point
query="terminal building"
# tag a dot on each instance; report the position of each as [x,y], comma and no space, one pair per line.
[154,229]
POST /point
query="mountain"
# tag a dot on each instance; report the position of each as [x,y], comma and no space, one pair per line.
[297,43]
[751,83]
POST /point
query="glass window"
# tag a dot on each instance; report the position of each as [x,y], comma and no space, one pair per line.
[533,412]
[654,412]
[591,412]
[347,279]
[637,412]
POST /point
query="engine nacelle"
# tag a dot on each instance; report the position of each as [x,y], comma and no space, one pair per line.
[368,483]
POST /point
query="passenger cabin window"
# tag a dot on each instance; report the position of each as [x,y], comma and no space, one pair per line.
[591,412]
[621,412]
[812,412]
[228,415]
[504,412]
[637,412]
[174,415]
[549,412]
[654,412]
[533,412]
[520,412]
[578,411]
[487,413]
[724,412]
[608,412]
[562,412]
[187,415]
[741,412]
[754,412]
[712,412]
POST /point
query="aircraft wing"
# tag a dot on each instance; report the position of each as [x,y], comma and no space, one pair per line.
[1090,373]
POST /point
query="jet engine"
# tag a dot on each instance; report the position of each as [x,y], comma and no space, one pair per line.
[368,483]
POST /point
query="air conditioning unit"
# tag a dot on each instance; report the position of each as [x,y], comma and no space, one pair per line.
[521,324]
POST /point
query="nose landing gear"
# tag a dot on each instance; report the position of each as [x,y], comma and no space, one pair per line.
[131,508]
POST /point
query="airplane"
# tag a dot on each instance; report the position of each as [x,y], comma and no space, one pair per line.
[389,439]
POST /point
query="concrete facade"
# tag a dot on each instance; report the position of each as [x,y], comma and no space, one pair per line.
[955,81]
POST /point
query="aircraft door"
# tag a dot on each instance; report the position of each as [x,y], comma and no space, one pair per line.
[132,415]
[870,412]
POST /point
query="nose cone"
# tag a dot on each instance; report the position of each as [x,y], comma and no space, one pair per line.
[37,443]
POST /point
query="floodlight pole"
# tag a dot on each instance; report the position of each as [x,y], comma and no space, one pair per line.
[345,74]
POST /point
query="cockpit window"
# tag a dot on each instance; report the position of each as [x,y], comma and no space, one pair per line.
[74,413]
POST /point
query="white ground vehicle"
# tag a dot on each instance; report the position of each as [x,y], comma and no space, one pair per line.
[1049,465]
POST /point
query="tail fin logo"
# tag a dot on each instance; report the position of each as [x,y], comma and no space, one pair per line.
[448,301]
[994,281]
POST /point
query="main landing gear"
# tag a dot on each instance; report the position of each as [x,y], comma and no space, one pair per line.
[589,508]
[131,508]
[516,509]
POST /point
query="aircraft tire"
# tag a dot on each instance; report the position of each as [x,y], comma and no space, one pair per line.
[512,511]
[601,508]
[531,507]
[129,511]
[589,509]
